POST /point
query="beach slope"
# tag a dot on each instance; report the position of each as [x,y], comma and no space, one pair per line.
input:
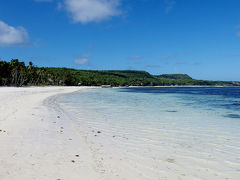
[37,141]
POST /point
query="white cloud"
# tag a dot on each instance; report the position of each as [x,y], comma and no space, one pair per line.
[81,61]
[10,35]
[86,11]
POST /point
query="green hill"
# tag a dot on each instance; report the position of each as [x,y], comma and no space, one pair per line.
[174,76]
[16,73]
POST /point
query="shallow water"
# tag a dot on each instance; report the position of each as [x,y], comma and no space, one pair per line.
[161,133]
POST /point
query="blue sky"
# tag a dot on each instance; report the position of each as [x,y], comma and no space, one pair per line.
[197,37]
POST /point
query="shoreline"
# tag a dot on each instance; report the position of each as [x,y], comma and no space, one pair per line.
[172,144]
[86,87]
[43,138]
[37,140]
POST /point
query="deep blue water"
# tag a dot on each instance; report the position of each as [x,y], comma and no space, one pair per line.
[233,92]
[217,97]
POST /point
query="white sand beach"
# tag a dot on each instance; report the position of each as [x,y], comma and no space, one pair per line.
[41,141]
[37,142]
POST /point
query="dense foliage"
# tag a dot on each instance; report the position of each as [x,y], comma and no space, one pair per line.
[16,73]
[175,76]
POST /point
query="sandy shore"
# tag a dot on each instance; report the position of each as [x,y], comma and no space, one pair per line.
[41,140]
[37,141]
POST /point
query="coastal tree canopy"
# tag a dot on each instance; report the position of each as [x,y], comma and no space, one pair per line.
[16,73]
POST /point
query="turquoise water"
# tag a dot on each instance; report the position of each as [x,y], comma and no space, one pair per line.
[181,133]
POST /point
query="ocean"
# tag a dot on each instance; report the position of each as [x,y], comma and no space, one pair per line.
[160,132]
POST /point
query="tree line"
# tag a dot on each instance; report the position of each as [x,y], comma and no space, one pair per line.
[16,73]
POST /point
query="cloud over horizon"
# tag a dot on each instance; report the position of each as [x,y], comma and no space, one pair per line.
[10,35]
[85,11]
[82,61]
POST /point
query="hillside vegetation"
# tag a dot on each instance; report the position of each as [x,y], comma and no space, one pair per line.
[16,73]
[175,76]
